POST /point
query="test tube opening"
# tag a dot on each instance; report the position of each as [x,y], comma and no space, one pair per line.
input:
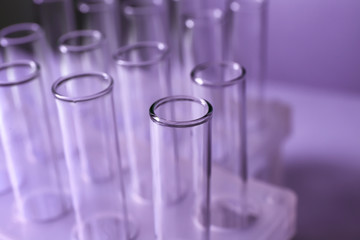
[19,34]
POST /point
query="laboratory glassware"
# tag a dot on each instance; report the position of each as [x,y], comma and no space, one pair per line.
[82,51]
[87,117]
[56,17]
[27,41]
[207,34]
[28,145]
[181,158]
[249,45]
[144,21]
[102,15]
[223,84]
[5,185]
[142,77]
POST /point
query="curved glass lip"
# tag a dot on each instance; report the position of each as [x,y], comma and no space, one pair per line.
[227,82]
[35,72]
[73,77]
[162,48]
[180,124]
[34,29]
[64,48]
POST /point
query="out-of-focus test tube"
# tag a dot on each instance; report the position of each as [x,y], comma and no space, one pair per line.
[206,36]
[102,15]
[143,77]
[27,41]
[223,84]
[83,50]
[28,146]
[181,158]
[249,45]
[56,17]
[87,118]
[144,21]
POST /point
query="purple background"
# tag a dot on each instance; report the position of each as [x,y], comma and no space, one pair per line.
[315,42]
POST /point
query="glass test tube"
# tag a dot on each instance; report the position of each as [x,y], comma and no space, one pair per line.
[87,120]
[143,76]
[27,141]
[181,158]
[223,83]
[27,41]
[102,15]
[82,51]
[206,35]
[56,17]
[249,45]
[145,21]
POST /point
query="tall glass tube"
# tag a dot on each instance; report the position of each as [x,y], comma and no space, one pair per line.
[223,84]
[144,21]
[249,45]
[87,120]
[102,15]
[28,146]
[56,17]
[5,184]
[181,158]
[27,41]
[143,76]
[206,35]
[82,51]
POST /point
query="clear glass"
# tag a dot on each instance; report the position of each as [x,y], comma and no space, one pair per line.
[28,146]
[82,51]
[223,84]
[56,17]
[144,21]
[249,45]
[101,15]
[27,41]
[181,158]
[143,78]
[206,35]
[5,184]
[87,120]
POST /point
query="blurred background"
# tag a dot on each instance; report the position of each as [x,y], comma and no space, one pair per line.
[314,67]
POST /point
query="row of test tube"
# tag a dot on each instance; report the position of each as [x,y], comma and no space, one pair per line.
[133,110]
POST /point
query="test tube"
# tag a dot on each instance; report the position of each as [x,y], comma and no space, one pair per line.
[249,45]
[87,120]
[143,75]
[206,35]
[145,21]
[5,185]
[28,146]
[223,84]
[181,158]
[27,41]
[82,51]
[101,15]
[56,17]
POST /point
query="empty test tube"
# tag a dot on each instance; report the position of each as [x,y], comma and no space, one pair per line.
[223,83]
[181,155]
[82,51]
[142,77]
[87,117]
[102,15]
[28,146]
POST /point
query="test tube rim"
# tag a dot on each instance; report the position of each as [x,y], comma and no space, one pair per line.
[211,84]
[180,124]
[160,46]
[35,34]
[64,48]
[34,66]
[75,76]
